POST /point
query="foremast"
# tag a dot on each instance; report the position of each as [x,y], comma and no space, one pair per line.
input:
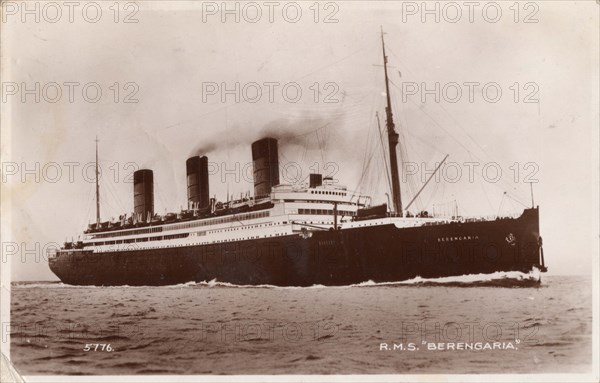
[97,189]
[392,140]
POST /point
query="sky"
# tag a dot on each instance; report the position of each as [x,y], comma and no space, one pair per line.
[170,75]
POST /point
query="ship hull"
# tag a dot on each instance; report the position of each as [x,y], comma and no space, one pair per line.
[382,253]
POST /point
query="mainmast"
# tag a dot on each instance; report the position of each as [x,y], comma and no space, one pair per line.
[392,139]
[97,189]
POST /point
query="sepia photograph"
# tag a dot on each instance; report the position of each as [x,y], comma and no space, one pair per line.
[266,191]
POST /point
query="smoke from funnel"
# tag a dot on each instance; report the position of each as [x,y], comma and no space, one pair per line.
[300,129]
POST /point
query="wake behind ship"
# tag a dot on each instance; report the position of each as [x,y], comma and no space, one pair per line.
[291,235]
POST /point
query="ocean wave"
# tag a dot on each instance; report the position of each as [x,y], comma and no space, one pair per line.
[39,284]
[499,278]
[496,279]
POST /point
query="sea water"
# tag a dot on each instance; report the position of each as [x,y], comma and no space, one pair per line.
[499,323]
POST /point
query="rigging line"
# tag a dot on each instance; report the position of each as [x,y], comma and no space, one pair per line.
[443,191]
[366,162]
[91,201]
[483,151]
[423,141]
[512,198]
[370,176]
[370,147]
[411,134]
[402,62]
[285,158]
[464,130]
[512,205]
[482,188]
[377,182]
[366,177]
[239,220]
[305,179]
[501,204]
[111,208]
[161,198]
[404,145]
[404,157]
[495,184]
[403,150]
[366,146]
[285,176]
[431,196]
[435,122]
[320,147]
[110,187]
[303,158]
[446,111]
[364,174]
[429,179]
[465,210]
[410,179]
[520,202]
[108,193]
[387,169]
[314,130]
[413,188]
[503,179]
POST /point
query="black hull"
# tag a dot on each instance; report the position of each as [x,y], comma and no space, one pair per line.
[381,253]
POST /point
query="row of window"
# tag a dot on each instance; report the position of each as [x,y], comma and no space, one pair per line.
[145,239]
[131,232]
[326,212]
[328,192]
[184,244]
[218,221]
[246,227]
[187,225]
[184,235]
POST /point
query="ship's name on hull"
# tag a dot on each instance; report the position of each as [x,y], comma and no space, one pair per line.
[458,238]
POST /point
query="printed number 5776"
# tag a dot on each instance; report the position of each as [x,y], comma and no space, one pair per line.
[98,346]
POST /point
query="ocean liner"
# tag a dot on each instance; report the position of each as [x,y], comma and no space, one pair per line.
[291,235]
